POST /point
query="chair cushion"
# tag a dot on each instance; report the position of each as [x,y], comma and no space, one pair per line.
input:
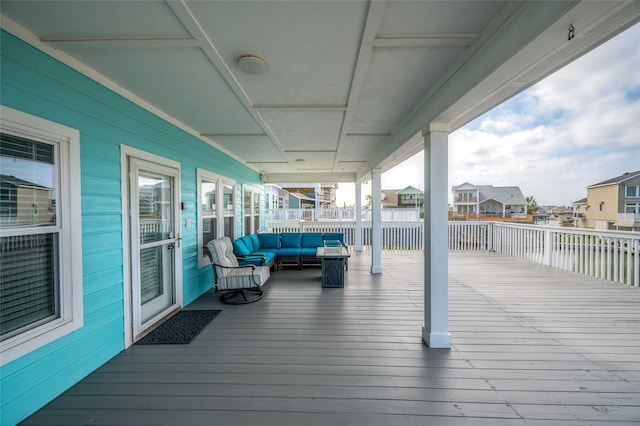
[221,251]
[244,278]
[291,239]
[311,239]
[269,240]
[240,247]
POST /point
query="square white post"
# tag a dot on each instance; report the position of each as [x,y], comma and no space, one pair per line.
[435,332]
[358,230]
[376,221]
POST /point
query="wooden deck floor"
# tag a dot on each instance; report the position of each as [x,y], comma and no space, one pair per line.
[531,345]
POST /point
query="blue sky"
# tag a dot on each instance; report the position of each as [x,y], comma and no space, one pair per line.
[575,128]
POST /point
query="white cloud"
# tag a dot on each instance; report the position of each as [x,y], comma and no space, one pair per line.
[575,128]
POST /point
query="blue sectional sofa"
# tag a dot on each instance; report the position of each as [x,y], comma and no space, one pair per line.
[282,248]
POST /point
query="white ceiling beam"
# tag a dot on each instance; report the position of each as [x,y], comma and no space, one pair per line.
[515,26]
[190,22]
[372,24]
[308,177]
[425,40]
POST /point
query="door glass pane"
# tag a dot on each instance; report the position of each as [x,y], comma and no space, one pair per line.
[150,273]
[156,275]
[154,204]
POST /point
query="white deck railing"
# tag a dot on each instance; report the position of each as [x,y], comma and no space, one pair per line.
[610,255]
[314,215]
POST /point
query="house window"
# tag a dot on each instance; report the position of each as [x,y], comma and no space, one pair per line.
[216,195]
[251,209]
[40,242]
[632,208]
[632,191]
[601,206]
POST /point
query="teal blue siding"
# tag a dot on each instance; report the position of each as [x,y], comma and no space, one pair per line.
[37,84]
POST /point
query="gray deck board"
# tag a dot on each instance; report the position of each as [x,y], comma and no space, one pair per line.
[531,346]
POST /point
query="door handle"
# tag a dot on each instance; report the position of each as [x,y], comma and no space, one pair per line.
[179,239]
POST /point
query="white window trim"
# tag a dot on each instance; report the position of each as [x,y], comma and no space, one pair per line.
[254,190]
[637,194]
[220,180]
[71,306]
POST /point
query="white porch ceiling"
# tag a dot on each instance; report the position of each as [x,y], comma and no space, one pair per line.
[347,85]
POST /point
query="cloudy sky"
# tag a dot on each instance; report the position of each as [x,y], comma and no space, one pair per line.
[577,127]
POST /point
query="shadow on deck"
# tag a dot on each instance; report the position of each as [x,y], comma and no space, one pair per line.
[531,345]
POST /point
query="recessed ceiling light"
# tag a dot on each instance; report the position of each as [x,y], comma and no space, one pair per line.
[251,64]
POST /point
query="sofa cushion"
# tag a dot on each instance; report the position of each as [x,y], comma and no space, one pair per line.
[291,239]
[312,239]
[308,251]
[334,236]
[289,251]
[255,242]
[269,240]
[257,257]
[240,248]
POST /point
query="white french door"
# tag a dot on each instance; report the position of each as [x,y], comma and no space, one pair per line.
[155,242]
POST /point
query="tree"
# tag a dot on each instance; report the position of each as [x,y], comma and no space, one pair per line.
[532,204]
[369,199]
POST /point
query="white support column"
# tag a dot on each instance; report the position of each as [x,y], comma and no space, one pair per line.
[358,230]
[435,332]
[376,221]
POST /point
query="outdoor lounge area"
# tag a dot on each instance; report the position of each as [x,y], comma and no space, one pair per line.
[530,345]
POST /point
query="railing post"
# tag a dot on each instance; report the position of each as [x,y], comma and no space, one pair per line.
[490,237]
[548,247]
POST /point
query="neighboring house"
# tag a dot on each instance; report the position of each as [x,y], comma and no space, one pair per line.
[580,207]
[300,200]
[276,197]
[409,197]
[612,204]
[25,203]
[310,195]
[478,200]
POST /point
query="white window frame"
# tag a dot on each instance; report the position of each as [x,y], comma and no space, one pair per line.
[220,181]
[252,208]
[634,206]
[68,203]
[637,194]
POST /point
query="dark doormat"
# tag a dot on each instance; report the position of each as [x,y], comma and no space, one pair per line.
[180,329]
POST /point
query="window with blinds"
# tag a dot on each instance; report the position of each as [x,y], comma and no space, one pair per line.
[29,243]
[40,233]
